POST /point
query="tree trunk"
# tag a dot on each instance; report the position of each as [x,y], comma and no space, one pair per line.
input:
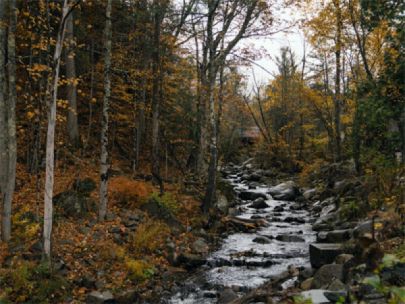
[212,168]
[104,124]
[11,122]
[3,113]
[156,94]
[337,99]
[72,123]
[52,91]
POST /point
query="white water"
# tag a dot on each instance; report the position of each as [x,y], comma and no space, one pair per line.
[282,254]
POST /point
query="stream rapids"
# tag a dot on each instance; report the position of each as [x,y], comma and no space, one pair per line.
[240,262]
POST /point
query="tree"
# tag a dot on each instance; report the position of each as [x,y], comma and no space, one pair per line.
[52,95]
[104,123]
[8,97]
[72,123]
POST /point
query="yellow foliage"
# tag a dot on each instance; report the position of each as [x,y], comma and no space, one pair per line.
[139,270]
[127,190]
[149,236]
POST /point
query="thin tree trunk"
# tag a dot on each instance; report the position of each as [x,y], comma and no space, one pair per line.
[52,92]
[3,111]
[337,99]
[156,71]
[12,141]
[72,123]
[104,125]
[211,184]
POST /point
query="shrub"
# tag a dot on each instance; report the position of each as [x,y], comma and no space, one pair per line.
[128,191]
[139,270]
[351,210]
[167,201]
[149,236]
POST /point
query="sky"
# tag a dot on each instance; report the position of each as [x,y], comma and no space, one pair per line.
[264,68]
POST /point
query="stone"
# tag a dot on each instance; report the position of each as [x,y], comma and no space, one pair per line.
[321,254]
[286,191]
[336,296]
[291,219]
[334,236]
[97,297]
[261,240]
[309,194]
[200,246]
[227,296]
[305,273]
[251,196]
[315,295]
[337,285]
[344,258]
[364,228]
[85,186]
[191,261]
[328,210]
[127,297]
[307,284]
[278,209]
[259,203]
[289,238]
[73,204]
[156,210]
[394,275]
[326,274]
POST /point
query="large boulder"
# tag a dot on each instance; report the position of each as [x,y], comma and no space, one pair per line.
[159,211]
[315,296]
[251,195]
[191,261]
[334,236]
[326,275]
[286,191]
[321,254]
[259,203]
[309,194]
[76,202]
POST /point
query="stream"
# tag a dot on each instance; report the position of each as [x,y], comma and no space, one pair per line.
[247,260]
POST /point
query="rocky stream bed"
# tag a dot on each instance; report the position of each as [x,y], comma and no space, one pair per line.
[246,260]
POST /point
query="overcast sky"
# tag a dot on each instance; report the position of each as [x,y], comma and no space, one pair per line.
[293,38]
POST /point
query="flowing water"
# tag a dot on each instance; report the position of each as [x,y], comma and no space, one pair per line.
[241,263]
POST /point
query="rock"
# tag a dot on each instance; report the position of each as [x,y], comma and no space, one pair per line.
[289,238]
[309,194]
[364,228]
[191,261]
[307,284]
[286,191]
[84,186]
[326,274]
[394,275]
[336,296]
[316,296]
[327,210]
[321,254]
[343,258]
[254,177]
[335,236]
[73,204]
[291,219]
[97,297]
[222,203]
[154,209]
[200,246]
[278,209]
[305,273]
[259,203]
[336,285]
[262,240]
[227,296]
[127,297]
[251,196]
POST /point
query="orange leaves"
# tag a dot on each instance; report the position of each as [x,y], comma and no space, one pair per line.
[129,191]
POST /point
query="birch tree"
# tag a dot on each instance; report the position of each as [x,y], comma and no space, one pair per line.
[52,94]
[104,124]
